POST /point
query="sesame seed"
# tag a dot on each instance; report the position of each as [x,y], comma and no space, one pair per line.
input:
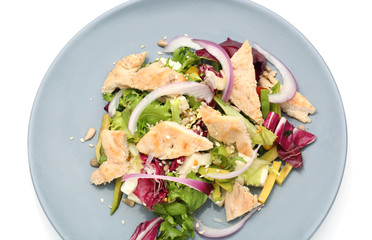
[217,170]
[144,204]
[179,161]
[110,207]
[186,35]
[102,200]
[167,136]
[197,225]
[91,99]
[202,232]
[114,63]
[142,46]
[91,145]
[71,138]
[82,140]
[217,144]
[159,53]
[165,37]
[122,222]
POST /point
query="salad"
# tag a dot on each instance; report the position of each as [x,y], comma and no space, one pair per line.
[205,124]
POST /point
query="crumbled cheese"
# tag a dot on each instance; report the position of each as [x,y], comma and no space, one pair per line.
[72,138]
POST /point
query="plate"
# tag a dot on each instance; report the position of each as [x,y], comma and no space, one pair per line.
[69,102]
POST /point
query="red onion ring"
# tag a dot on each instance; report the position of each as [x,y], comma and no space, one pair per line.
[114,103]
[181,41]
[220,54]
[201,186]
[195,89]
[223,232]
[289,88]
[236,172]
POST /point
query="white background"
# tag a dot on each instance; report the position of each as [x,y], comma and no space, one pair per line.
[33,33]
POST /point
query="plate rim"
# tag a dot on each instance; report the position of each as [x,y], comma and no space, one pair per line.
[128,3]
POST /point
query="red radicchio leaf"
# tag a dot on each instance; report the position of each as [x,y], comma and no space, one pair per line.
[201,129]
[293,156]
[231,47]
[147,230]
[175,163]
[271,121]
[302,138]
[205,67]
[151,191]
[284,132]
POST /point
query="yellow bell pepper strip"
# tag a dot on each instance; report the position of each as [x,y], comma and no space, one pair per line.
[283,173]
[270,155]
[270,181]
[104,125]
[117,195]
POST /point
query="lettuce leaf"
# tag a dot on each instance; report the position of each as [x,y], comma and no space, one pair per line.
[182,202]
[186,57]
[256,174]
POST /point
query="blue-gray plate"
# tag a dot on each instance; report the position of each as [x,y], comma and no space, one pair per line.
[69,101]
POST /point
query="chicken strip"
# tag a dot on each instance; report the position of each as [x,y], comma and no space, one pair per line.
[129,74]
[244,94]
[169,140]
[227,129]
[114,144]
[123,71]
[239,201]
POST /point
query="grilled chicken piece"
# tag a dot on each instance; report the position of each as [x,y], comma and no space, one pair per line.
[244,94]
[123,71]
[127,74]
[169,140]
[114,144]
[239,201]
[227,129]
[298,107]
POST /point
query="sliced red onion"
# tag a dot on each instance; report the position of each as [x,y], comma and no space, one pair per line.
[201,186]
[195,89]
[114,103]
[220,54]
[289,88]
[223,232]
[236,172]
[181,41]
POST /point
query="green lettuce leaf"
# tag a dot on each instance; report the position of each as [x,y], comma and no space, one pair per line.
[256,174]
[186,57]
